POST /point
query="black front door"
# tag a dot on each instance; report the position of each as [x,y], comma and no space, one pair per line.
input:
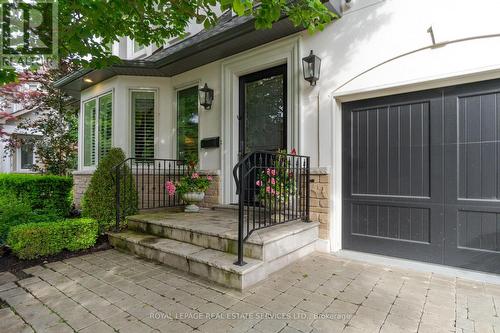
[422,176]
[263,110]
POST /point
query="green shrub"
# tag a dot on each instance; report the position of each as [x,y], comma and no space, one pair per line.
[44,194]
[32,240]
[99,201]
[14,211]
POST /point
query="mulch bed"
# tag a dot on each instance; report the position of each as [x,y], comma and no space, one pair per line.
[9,262]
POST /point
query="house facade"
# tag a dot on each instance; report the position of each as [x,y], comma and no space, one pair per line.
[22,159]
[401,128]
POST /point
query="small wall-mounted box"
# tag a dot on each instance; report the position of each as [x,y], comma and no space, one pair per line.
[210,142]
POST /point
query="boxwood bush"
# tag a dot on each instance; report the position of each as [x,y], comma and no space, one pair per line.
[14,211]
[99,201]
[32,240]
[44,194]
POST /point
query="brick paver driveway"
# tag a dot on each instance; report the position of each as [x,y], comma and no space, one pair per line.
[110,291]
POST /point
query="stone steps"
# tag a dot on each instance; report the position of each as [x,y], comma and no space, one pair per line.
[210,264]
[265,244]
[205,244]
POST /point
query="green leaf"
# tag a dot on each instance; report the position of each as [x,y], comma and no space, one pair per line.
[239,7]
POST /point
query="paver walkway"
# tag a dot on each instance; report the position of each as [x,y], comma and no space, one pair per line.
[110,291]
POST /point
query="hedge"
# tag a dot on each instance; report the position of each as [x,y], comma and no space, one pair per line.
[44,194]
[14,211]
[32,240]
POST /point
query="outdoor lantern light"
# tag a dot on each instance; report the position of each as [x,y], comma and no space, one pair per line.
[311,66]
[206,97]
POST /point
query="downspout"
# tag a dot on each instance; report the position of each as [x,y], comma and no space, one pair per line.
[319,134]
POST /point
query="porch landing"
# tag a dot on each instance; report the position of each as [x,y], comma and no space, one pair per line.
[205,244]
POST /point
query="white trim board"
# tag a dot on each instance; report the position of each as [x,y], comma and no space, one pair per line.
[419,266]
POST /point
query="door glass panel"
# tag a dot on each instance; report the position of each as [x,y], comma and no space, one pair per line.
[187,123]
[265,118]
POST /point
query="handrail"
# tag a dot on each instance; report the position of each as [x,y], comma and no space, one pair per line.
[140,184]
[272,188]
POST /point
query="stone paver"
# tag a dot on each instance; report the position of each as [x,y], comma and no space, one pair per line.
[115,292]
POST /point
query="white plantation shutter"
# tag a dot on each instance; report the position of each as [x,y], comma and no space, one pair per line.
[105,122]
[143,108]
[89,137]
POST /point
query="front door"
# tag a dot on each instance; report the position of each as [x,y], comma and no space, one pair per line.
[263,111]
[262,115]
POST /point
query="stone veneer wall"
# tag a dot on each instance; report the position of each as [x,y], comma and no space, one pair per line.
[81,181]
[320,201]
[212,195]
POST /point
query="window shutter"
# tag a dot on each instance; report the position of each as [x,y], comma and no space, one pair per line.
[89,122]
[143,131]
[105,124]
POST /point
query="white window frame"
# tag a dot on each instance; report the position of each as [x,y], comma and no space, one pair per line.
[131,126]
[96,129]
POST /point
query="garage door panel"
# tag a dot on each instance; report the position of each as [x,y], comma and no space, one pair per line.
[390,150]
[477,242]
[478,230]
[391,221]
[478,146]
[472,216]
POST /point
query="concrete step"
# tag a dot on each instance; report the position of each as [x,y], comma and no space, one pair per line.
[210,264]
[204,230]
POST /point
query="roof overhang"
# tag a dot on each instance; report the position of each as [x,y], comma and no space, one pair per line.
[233,36]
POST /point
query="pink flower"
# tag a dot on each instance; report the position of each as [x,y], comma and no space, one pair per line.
[170,188]
[273,181]
[271,172]
[293,152]
[258,183]
[195,175]
[209,178]
[271,190]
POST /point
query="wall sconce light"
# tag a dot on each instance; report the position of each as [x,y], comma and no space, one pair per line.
[87,80]
[311,66]
[206,97]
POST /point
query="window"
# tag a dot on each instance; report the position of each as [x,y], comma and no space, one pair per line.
[143,130]
[27,156]
[89,111]
[187,123]
[138,47]
[105,115]
[97,128]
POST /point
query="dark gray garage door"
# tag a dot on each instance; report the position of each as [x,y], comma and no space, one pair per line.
[422,176]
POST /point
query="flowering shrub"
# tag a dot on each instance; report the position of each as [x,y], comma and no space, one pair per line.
[192,182]
[277,183]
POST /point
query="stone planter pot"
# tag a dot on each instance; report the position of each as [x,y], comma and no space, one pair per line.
[192,198]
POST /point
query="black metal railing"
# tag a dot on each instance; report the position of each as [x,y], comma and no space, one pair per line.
[140,184]
[272,188]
